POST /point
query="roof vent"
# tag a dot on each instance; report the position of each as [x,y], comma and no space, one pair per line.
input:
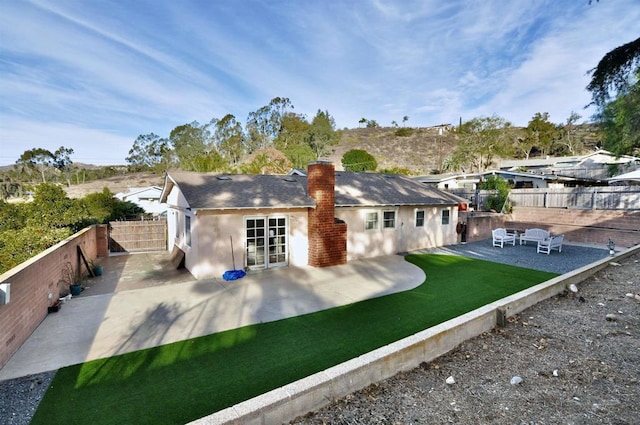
[290,179]
[224,178]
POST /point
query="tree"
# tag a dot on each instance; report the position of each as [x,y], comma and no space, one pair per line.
[405,119]
[362,122]
[497,202]
[620,122]
[359,160]
[615,72]
[322,133]
[51,208]
[149,151]
[540,133]
[229,139]
[195,149]
[481,139]
[265,124]
[567,134]
[372,124]
[37,159]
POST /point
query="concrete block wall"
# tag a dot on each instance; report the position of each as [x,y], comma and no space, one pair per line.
[581,226]
[327,236]
[37,283]
[480,224]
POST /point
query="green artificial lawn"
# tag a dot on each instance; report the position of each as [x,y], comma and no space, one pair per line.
[183,381]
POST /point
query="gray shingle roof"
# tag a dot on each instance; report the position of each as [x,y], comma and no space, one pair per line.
[226,191]
[373,189]
[239,191]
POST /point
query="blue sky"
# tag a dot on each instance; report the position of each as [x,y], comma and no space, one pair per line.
[93,75]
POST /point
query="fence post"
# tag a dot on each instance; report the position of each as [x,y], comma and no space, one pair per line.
[593,200]
[544,199]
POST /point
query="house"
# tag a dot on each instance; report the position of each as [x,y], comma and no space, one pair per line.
[596,166]
[471,181]
[632,178]
[223,222]
[147,198]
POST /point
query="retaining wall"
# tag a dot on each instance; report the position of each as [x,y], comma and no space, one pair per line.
[593,227]
[37,282]
[285,403]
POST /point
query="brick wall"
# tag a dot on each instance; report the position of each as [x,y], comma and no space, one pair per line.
[33,281]
[327,236]
[581,226]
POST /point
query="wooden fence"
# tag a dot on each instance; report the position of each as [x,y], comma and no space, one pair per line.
[626,198]
[138,235]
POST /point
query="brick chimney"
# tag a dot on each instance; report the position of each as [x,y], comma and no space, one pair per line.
[327,235]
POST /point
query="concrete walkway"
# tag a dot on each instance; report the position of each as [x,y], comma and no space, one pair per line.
[142,302]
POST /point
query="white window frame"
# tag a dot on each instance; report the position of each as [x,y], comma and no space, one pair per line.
[366,220]
[384,220]
[417,211]
[448,216]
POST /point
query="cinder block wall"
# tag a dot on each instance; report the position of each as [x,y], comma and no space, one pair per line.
[36,283]
[480,224]
[581,226]
[327,236]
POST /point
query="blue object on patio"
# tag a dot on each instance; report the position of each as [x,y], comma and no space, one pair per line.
[233,274]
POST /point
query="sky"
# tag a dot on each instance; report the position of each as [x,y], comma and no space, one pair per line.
[93,75]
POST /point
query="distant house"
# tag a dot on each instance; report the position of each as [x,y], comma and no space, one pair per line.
[632,178]
[597,166]
[147,198]
[471,181]
[325,218]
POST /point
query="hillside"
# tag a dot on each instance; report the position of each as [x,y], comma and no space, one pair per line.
[422,151]
[115,184]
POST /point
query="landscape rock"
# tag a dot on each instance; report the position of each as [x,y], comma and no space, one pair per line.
[516,380]
[611,317]
[450,380]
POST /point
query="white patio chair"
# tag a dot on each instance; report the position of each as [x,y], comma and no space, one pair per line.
[500,237]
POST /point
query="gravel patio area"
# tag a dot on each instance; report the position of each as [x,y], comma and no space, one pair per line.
[571,258]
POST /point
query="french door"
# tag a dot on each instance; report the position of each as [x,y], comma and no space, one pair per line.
[266,242]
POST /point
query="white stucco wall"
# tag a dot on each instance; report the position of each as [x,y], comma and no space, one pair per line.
[405,237]
[215,231]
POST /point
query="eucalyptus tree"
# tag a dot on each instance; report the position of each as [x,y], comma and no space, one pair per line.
[229,139]
[265,124]
[195,149]
[150,151]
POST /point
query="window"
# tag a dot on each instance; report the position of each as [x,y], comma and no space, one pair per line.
[388,219]
[187,230]
[419,218]
[445,217]
[371,220]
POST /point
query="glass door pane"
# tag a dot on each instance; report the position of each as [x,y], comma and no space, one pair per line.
[255,242]
[277,241]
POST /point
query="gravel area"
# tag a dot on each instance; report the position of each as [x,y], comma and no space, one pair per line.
[19,398]
[571,258]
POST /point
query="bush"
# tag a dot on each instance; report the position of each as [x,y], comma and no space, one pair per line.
[359,160]
[500,200]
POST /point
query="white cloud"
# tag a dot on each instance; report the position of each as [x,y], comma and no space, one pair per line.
[113,71]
